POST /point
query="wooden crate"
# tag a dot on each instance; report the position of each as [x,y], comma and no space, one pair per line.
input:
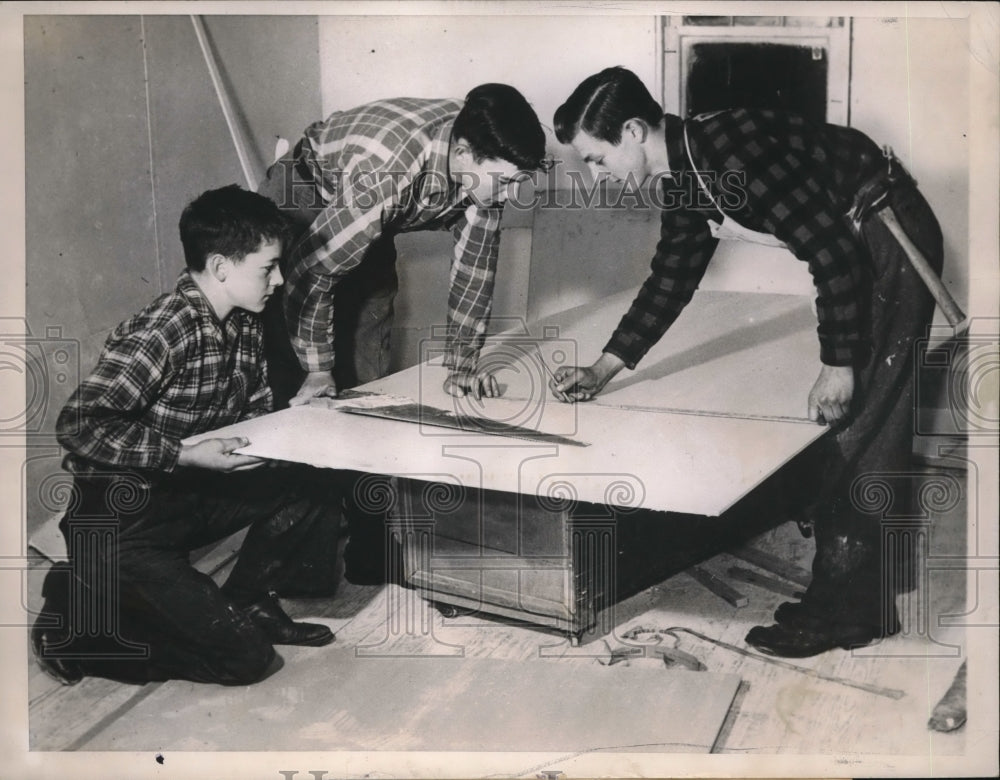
[550,562]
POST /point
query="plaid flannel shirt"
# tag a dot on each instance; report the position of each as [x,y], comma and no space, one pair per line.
[171,371]
[775,173]
[379,168]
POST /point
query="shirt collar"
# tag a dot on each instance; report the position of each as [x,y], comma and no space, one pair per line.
[188,287]
[438,179]
[673,134]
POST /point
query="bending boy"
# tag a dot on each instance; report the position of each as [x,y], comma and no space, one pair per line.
[133,608]
[356,180]
[799,182]
[353,182]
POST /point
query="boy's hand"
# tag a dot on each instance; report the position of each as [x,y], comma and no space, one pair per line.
[316,384]
[577,383]
[218,455]
[830,397]
[475,383]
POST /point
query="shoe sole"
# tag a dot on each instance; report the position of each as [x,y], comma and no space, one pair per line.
[51,667]
[59,678]
[839,646]
[318,642]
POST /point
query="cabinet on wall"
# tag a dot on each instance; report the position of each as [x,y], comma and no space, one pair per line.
[799,63]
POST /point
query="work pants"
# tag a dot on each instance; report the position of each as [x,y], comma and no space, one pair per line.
[363,316]
[131,606]
[855,580]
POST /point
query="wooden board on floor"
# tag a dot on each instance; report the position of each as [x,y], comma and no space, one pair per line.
[329,699]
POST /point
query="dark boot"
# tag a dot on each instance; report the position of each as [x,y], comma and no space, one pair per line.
[280,629]
[847,603]
[50,633]
[801,642]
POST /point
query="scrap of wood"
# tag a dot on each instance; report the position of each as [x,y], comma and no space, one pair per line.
[878,690]
[764,581]
[773,564]
[719,587]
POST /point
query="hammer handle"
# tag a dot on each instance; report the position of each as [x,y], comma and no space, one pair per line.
[952,311]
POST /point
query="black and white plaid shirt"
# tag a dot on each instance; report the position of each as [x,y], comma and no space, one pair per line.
[169,372]
[383,167]
[796,181]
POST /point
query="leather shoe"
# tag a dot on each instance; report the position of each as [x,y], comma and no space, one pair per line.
[62,670]
[797,614]
[792,613]
[788,641]
[280,629]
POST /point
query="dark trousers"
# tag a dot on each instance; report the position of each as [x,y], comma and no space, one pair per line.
[854,581]
[363,316]
[131,605]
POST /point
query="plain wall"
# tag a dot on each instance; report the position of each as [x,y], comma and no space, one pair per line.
[908,89]
[122,129]
[545,57]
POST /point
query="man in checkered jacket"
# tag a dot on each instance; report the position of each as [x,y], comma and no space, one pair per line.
[781,178]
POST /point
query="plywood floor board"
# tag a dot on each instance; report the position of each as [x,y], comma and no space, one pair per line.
[776,711]
[445,704]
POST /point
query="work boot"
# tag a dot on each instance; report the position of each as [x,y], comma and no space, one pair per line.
[62,670]
[280,629]
[802,642]
[46,641]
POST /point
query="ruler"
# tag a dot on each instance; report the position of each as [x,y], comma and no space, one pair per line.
[706,413]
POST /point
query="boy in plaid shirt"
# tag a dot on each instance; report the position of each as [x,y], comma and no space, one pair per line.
[129,605]
[805,185]
[353,182]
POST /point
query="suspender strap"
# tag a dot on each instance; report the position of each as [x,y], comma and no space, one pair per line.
[694,170]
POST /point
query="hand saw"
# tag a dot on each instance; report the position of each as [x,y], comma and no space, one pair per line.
[428,415]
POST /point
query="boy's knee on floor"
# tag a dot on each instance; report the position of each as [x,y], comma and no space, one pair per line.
[253,666]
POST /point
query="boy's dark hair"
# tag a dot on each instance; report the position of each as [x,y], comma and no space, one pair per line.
[499,124]
[230,221]
[603,103]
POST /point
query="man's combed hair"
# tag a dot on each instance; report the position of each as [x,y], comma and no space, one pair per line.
[229,221]
[499,124]
[603,103]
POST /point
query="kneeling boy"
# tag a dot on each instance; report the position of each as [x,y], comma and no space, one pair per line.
[129,605]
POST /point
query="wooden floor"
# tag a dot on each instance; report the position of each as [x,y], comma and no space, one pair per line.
[818,709]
